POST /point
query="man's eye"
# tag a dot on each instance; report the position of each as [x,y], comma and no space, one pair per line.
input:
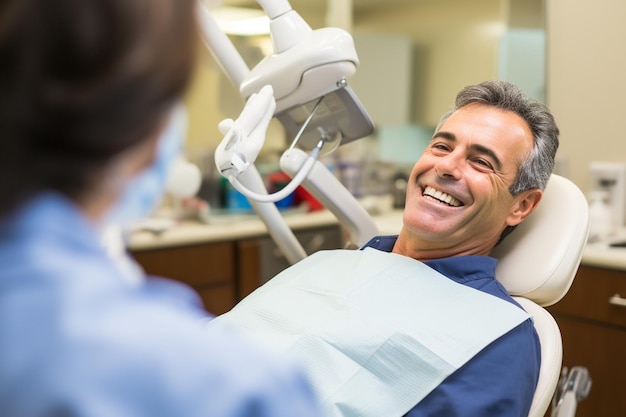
[440,146]
[483,162]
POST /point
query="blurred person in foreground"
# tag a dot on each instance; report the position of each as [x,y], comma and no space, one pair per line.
[90,118]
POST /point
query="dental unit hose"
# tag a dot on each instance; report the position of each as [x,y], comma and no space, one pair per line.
[243,141]
[289,188]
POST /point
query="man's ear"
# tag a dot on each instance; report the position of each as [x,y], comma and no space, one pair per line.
[525,203]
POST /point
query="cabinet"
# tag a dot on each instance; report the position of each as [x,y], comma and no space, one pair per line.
[594,336]
[223,273]
[209,268]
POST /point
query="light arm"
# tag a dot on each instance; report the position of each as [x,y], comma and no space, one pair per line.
[275,8]
[276,226]
[222,49]
[286,26]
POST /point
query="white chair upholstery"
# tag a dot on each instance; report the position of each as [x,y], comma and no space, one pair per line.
[537,264]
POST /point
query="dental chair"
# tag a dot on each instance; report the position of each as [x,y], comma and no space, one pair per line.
[537,264]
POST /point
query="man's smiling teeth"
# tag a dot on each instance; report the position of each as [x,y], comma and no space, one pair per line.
[443,197]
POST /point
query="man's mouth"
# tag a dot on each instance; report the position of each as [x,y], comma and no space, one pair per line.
[442,197]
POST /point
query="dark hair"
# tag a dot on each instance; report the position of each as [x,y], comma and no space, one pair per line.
[83,80]
[535,171]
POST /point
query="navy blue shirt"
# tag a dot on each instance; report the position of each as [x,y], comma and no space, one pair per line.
[501,379]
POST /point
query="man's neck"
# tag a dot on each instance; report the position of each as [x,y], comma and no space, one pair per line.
[423,251]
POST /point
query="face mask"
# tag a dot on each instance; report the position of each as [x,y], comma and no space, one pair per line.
[141,196]
[143,193]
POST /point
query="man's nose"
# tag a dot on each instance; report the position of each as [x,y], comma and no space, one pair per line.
[449,166]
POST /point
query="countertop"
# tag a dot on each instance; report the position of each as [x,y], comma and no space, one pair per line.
[602,255]
[235,227]
[244,226]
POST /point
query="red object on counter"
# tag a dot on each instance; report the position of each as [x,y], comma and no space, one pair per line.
[277,180]
[302,195]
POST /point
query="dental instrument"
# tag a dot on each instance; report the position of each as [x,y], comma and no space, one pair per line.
[310,96]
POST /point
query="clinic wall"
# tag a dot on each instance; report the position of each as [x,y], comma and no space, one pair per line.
[586,82]
[202,101]
[455,44]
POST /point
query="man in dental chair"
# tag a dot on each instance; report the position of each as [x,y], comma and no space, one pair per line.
[368,325]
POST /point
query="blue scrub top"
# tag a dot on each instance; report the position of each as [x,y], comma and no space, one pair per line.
[501,379]
[79,339]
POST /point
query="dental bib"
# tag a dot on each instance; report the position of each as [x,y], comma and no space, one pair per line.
[375,331]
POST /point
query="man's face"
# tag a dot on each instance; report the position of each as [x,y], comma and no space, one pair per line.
[457,198]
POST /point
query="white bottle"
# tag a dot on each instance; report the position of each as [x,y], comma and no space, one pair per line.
[599,216]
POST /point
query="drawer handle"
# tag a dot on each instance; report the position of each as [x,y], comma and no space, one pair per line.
[616,300]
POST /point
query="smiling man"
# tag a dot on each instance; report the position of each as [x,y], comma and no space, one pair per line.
[482,174]
[417,324]
[458,201]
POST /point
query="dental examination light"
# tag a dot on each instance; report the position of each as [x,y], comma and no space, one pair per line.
[304,85]
[309,70]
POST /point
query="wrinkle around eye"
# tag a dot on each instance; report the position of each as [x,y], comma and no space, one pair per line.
[483,166]
[484,163]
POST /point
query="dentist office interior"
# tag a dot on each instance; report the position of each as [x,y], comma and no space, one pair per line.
[414,56]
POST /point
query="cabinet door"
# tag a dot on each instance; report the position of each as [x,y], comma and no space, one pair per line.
[594,336]
[248,267]
[602,350]
[590,294]
[207,268]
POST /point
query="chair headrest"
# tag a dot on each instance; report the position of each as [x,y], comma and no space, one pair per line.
[539,259]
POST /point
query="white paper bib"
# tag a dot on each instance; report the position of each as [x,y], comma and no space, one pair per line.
[376,331]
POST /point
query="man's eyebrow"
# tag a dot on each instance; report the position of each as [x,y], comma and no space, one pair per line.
[445,135]
[486,151]
[479,148]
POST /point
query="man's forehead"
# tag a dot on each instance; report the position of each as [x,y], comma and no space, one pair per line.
[488,116]
[502,131]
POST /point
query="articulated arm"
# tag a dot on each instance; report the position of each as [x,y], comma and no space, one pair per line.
[306,65]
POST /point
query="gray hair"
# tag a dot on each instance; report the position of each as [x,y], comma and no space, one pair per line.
[534,171]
